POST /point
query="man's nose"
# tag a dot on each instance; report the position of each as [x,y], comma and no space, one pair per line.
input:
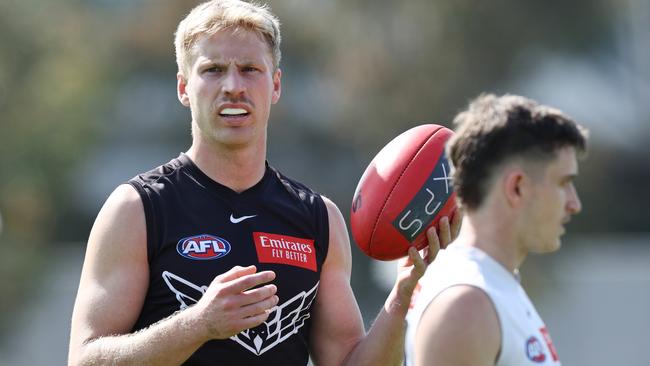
[233,83]
[573,204]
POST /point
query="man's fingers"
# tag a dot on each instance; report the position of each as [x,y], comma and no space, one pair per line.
[456,221]
[434,244]
[419,264]
[243,279]
[250,281]
[258,294]
[444,232]
[253,320]
[235,272]
[238,299]
[259,307]
[254,313]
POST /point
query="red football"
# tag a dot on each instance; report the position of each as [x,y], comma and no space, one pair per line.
[405,190]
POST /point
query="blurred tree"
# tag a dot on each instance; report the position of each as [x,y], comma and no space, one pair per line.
[82,76]
[401,63]
[54,78]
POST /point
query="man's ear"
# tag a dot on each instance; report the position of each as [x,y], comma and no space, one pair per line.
[181,89]
[277,86]
[514,187]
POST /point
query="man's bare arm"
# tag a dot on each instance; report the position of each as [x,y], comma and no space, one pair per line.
[338,333]
[460,327]
[113,286]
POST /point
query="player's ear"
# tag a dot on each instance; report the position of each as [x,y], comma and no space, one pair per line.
[277,86]
[181,89]
[514,183]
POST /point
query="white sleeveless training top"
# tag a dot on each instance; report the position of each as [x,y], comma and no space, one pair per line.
[524,339]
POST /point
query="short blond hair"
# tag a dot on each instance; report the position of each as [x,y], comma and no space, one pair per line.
[213,16]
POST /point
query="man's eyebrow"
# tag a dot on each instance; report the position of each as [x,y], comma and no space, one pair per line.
[209,61]
[570,176]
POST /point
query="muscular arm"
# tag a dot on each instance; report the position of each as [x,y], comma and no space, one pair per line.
[459,328]
[337,326]
[113,285]
[338,335]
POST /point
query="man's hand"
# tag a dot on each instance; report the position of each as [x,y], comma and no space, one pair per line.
[234,302]
[448,232]
[411,268]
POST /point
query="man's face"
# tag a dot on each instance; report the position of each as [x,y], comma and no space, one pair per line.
[553,201]
[230,88]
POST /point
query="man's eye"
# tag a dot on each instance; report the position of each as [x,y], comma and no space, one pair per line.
[567,182]
[214,69]
[248,69]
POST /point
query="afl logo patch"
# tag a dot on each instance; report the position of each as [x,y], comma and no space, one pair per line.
[203,247]
[534,350]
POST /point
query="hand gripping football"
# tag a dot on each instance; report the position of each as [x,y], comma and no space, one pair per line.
[405,190]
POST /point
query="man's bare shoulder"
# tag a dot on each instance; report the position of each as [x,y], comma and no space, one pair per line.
[126,197]
[460,326]
[467,301]
[120,226]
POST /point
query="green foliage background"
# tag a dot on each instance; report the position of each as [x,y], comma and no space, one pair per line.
[355,74]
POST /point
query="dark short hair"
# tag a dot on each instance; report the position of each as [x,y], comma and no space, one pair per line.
[495,129]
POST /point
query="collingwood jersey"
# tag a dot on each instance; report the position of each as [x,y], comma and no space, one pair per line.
[198,229]
[524,338]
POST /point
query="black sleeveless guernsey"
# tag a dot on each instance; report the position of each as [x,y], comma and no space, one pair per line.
[198,229]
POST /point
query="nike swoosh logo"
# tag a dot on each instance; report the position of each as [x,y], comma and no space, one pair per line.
[237,220]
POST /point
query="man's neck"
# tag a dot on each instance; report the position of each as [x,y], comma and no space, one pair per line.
[237,169]
[494,237]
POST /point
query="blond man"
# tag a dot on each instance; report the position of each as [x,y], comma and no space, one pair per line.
[217,258]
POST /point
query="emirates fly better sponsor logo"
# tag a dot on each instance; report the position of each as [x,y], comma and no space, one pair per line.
[284,249]
[203,247]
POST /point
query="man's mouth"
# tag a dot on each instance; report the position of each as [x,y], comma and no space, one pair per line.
[233,112]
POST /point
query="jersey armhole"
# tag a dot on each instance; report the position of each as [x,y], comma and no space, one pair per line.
[150,218]
[323,226]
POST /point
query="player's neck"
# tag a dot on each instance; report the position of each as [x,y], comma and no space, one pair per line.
[237,169]
[494,237]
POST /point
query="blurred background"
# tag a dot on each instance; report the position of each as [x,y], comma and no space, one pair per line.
[87,100]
